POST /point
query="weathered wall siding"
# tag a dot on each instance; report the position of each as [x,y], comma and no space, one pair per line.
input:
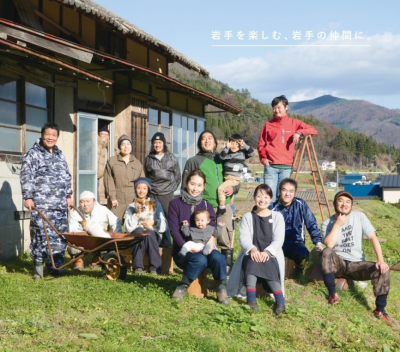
[391,195]
[64,116]
[158,62]
[70,20]
[123,118]
[140,85]
[161,95]
[195,107]
[122,80]
[88,31]
[52,11]
[177,101]
[90,91]
[136,52]
[14,235]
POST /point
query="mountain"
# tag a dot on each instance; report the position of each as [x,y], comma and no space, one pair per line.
[332,143]
[381,123]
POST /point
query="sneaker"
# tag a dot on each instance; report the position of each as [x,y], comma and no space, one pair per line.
[382,315]
[279,308]
[138,271]
[153,272]
[253,305]
[334,299]
[220,212]
[179,292]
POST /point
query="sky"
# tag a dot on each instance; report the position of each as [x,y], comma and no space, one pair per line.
[303,49]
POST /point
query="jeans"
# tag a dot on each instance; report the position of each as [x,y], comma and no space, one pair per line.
[272,177]
[193,264]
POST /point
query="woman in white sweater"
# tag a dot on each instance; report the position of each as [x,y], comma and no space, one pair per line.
[262,233]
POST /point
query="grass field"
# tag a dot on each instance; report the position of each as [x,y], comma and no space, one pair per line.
[80,312]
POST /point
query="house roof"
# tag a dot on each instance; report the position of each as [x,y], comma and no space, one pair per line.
[129,29]
[31,36]
[390,181]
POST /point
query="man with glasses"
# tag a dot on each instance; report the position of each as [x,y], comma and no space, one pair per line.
[298,216]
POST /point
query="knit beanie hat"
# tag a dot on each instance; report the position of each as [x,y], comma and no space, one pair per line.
[144,180]
[86,194]
[124,137]
[159,136]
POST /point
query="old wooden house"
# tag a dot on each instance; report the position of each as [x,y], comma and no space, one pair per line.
[77,64]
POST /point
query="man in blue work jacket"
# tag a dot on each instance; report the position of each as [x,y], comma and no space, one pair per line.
[298,217]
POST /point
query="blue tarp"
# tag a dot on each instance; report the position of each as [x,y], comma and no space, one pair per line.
[364,191]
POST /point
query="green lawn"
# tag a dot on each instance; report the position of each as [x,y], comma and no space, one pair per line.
[79,312]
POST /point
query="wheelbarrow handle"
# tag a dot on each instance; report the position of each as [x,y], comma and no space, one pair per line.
[78,211]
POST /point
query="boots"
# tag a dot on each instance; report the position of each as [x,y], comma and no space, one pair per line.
[228,257]
[181,290]
[37,271]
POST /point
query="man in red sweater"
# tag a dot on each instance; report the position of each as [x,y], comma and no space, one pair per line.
[276,143]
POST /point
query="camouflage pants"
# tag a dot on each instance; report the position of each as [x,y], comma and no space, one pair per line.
[38,246]
[358,271]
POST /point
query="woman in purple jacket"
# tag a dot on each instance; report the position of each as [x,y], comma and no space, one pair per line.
[194,262]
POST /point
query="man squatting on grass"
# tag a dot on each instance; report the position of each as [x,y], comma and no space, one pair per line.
[343,256]
[298,216]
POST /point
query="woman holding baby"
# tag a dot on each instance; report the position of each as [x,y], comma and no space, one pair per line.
[181,213]
[145,215]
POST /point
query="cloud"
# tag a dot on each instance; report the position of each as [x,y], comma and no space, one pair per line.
[308,72]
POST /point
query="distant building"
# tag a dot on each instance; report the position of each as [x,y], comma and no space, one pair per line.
[351,179]
[327,165]
[390,185]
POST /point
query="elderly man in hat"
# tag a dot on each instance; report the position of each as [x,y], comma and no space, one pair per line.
[94,212]
[343,256]
[102,156]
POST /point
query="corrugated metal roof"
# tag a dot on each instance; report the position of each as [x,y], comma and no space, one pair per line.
[390,181]
[127,28]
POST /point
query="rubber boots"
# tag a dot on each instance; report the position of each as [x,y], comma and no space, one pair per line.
[37,271]
[228,253]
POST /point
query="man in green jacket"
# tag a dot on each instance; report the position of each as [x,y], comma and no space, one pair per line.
[208,161]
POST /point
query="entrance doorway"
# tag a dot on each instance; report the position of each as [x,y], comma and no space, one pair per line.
[87,167]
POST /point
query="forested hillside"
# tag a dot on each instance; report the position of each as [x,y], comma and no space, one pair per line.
[345,147]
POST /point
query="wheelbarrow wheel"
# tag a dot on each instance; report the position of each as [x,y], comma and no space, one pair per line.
[112,270]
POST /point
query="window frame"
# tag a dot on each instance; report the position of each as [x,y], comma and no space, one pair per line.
[22,106]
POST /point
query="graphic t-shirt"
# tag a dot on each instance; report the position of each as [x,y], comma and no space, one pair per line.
[349,241]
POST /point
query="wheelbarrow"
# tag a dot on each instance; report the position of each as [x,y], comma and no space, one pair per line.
[108,250]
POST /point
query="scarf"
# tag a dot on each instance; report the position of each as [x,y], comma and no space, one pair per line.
[189,199]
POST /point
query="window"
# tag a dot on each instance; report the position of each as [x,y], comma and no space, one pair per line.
[185,134]
[159,122]
[22,113]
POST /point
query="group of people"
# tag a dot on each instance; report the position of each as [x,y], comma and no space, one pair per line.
[273,230]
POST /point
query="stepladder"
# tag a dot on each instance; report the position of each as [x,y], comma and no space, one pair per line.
[306,150]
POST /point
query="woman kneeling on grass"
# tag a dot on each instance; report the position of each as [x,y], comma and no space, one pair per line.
[194,262]
[262,233]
